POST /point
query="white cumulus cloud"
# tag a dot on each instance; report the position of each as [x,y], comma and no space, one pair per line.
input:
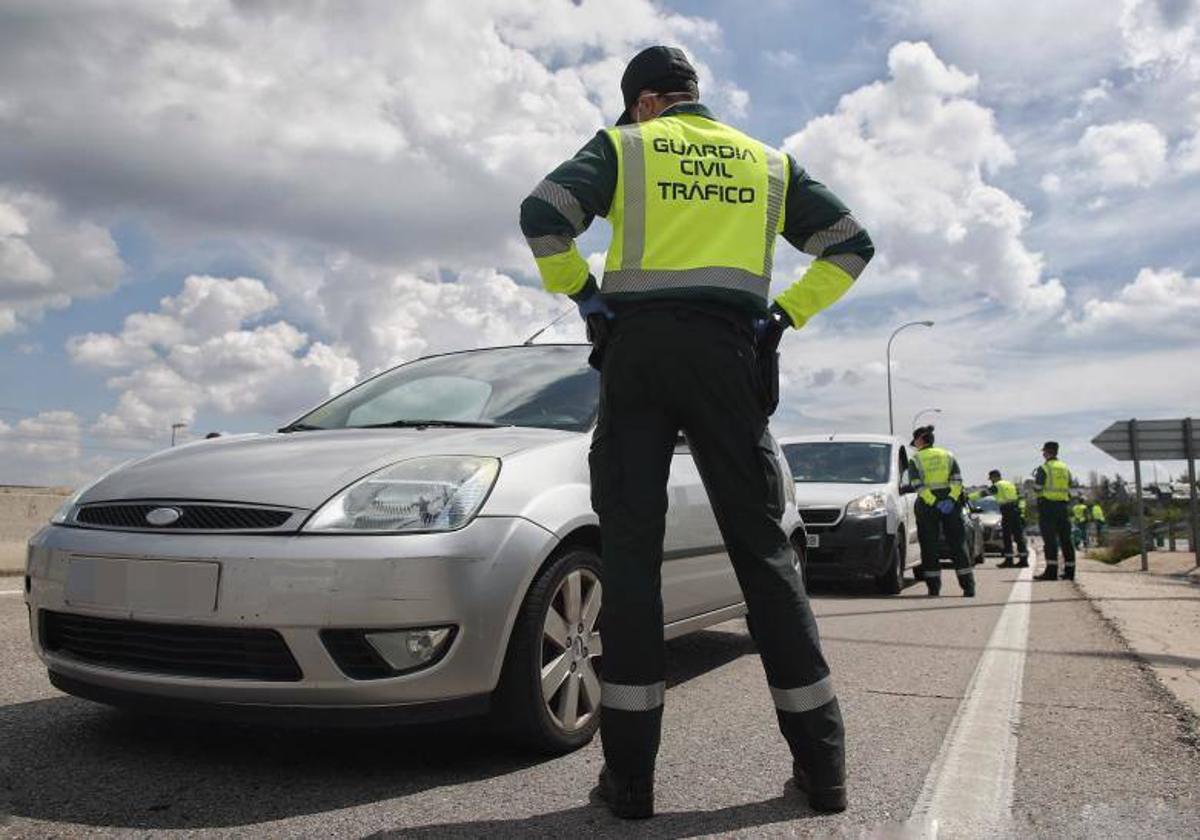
[1160,301]
[1123,154]
[48,259]
[203,350]
[912,156]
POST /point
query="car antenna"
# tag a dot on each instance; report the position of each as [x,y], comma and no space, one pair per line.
[557,318]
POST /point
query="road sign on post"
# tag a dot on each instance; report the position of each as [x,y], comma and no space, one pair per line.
[1156,440]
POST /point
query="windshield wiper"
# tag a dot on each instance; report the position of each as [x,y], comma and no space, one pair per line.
[420,424]
[300,427]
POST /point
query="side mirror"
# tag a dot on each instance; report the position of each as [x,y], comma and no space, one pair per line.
[907,490]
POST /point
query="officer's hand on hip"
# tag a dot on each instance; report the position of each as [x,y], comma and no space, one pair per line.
[590,302]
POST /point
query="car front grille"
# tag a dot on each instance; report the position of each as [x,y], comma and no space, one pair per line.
[186,650]
[820,517]
[193,517]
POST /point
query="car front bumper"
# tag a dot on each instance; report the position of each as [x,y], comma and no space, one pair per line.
[853,548]
[298,585]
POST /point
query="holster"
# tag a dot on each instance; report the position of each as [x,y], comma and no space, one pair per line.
[598,330]
[768,374]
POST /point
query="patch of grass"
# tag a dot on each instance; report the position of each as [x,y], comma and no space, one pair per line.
[1119,548]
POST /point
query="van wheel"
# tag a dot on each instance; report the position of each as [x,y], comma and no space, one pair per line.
[549,693]
[891,582]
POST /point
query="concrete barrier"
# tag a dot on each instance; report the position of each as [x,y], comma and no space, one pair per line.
[23,510]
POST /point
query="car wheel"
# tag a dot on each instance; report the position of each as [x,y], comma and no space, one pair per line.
[891,582]
[549,693]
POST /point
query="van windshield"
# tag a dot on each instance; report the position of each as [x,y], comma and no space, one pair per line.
[839,462]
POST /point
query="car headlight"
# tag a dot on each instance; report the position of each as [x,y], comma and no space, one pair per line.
[872,504]
[436,493]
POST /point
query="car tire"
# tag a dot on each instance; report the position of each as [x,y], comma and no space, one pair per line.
[891,582]
[520,709]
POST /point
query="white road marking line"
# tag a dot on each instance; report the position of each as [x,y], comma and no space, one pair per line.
[969,789]
[12,591]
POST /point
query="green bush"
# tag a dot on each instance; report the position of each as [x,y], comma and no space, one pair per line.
[1120,546]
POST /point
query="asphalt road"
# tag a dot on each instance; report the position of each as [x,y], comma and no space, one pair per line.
[1100,748]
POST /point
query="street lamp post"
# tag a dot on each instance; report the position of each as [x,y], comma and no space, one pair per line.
[917,416]
[174,428]
[891,422]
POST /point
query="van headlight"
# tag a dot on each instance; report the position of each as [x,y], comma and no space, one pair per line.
[872,504]
[436,493]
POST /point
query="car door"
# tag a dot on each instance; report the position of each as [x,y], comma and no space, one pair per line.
[697,574]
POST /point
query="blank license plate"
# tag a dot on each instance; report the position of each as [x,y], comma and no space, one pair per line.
[152,587]
[813,540]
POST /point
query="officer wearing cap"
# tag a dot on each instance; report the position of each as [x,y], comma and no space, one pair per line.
[1012,525]
[1052,480]
[934,473]
[685,335]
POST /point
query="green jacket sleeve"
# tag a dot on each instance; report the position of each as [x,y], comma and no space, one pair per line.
[818,223]
[562,207]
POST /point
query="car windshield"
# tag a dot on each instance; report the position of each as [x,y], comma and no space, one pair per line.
[839,462]
[988,504]
[546,386]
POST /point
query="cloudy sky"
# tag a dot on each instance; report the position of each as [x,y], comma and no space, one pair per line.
[216,212]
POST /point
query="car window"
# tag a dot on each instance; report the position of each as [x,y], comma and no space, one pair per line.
[441,397]
[548,386]
[987,503]
[839,462]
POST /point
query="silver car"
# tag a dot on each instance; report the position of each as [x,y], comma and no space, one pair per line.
[422,546]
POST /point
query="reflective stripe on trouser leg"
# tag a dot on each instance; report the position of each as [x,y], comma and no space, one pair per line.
[803,698]
[931,574]
[632,698]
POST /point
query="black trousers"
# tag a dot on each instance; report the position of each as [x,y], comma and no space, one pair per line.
[1012,529]
[666,371]
[1054,519]
[931,526]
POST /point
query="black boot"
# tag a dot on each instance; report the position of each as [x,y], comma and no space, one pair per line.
[830,799]
[935,588]
[1051,573]
[1023,564]
[1007,564]
[629,799]
[1068,573]
[968,589]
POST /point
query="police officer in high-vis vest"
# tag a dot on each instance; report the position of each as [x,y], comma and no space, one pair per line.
[1012,525]
[1098,519]
[934,473]
[1052,480]
[685,335]
[1079,520]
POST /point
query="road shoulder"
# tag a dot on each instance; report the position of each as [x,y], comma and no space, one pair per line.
[1156,613]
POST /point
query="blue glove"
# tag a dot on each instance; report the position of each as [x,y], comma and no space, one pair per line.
[945,506]
[590,302]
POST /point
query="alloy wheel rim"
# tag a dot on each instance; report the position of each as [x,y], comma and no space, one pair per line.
[571,651]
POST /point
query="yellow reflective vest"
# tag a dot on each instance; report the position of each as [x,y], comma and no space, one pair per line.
[699,204]
[1056,481]
[933,469]
[1097,513]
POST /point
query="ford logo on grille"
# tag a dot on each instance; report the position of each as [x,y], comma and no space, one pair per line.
[164,516]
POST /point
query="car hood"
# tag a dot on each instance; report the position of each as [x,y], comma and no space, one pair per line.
[299,469]
[816,494]
[989,517]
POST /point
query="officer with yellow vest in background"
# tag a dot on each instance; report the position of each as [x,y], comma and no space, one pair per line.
[934,473]
[1079,519]
[1099,520]
[1012,523]
[685,335]
[1052,480]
